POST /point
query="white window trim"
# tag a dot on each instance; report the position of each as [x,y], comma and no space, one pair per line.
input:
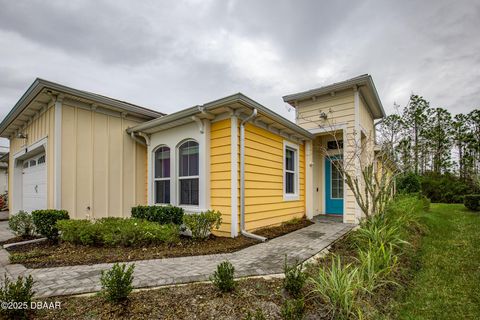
[173,138]
[331,180]
[291,196]
[161,179]
[178,177]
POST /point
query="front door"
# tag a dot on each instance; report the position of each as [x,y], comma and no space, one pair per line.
[333,186]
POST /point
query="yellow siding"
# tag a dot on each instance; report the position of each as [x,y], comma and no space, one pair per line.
[103,169]
[264,203]
[42,126]
[220,173]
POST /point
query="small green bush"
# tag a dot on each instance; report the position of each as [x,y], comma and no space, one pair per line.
[117,232]
[46,222]
[293,309]
[20,292]
[161,214]
[202,224]
[223,277]
[294,278]
[472,202]
[117,282]
[22,224]
[426,203]
[408,183]
[338,287]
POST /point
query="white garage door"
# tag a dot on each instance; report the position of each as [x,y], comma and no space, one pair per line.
[34,183]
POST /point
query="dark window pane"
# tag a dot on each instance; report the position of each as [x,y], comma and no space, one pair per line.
[290,160]
[189,191]
[188,163]
[162,191]
[289,182]
[162,162]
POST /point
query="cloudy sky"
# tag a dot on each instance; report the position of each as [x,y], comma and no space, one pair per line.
[169,55]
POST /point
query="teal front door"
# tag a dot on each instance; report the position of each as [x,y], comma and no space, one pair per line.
[333,186]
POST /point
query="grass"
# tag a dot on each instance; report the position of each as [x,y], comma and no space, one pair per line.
[447,283]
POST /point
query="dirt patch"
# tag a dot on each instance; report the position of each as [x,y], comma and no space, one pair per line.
[46,255]
[195,301]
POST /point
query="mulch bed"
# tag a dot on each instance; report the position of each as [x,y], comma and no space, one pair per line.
[283,229]
[46,255]
[195,301]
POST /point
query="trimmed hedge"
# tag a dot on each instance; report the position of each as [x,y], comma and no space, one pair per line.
[161,214]
[472,202]
[117,232]
[46,221]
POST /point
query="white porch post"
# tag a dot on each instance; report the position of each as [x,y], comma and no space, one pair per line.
[357,138]
[234,175]
[57,151]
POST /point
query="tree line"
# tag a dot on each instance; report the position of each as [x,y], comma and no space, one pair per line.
[424,139]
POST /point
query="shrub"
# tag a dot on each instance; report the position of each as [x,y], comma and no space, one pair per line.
[376,264]
[408,183]
[446,188]
[426,203]
[22,224]
[378,230]
[117,232]
[338,287]
[45,222]
[161,214]
[20,292]
[79,232]
[472,202]
[202,224]
[294,278]
[117,282]
[223,277]
[293,309]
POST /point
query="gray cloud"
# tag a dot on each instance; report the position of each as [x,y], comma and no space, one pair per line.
[172,54]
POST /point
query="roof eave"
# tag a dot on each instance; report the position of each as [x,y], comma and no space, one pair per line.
[40,84]
[235,98]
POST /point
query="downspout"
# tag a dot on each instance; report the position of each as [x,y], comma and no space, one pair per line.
[242,179]
[134,137]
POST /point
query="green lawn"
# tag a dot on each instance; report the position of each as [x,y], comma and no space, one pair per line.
[447,284]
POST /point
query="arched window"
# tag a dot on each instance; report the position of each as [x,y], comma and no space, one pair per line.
[188,176]
[162,175]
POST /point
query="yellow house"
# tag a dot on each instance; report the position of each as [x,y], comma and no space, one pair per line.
[96,156]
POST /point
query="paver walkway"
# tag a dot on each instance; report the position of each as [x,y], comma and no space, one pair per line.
[261,259]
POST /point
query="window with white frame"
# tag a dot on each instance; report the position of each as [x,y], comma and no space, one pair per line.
[336,179]
[162,175]
[291,174]
[188,173]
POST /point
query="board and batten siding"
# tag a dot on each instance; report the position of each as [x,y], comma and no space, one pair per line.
[103,169]
[340,111]
[42,126]
[264,203]
[220,173]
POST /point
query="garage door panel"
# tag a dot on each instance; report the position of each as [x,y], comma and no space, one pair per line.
[34,187]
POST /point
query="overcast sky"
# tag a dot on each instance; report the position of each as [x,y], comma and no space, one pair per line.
[169,55]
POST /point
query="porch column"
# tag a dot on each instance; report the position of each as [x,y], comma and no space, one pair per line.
[309,179]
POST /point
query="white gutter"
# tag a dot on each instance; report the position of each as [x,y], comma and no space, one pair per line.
[242,179]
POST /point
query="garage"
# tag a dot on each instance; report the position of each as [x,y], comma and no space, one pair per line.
[34,183]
